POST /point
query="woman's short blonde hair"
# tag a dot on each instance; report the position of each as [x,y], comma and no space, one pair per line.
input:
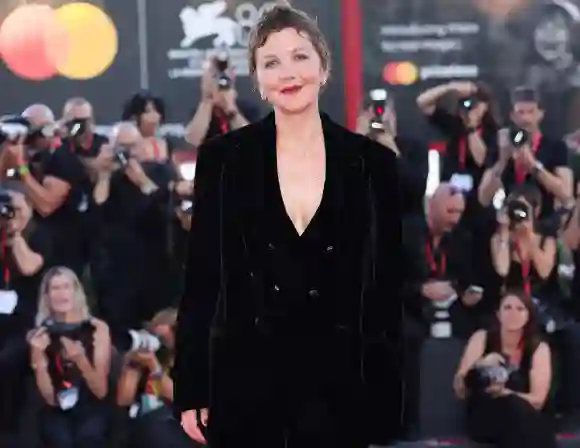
[79,297]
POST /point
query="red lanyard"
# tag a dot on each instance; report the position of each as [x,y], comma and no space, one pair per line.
[436,271]
[60,368]
[223,121]
[520,171]
[526,268]
[462,148]
[5,261]
[156,150]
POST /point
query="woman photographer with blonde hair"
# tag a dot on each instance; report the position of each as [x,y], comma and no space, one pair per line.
[70,353]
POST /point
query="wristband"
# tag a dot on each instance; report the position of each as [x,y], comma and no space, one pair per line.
[471,130]
[23,170]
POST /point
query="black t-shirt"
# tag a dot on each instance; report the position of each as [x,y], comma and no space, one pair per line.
[92,150]
[457,157]
[414,170]
[219,124]
[26,287]
[552,154]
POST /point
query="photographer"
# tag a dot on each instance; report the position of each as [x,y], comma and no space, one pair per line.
[70,354]
[218,111]
[527,156]
[54,181]
[412,156]
[471,130]
[24,251]
[134,194]
[505,375]
[146,387]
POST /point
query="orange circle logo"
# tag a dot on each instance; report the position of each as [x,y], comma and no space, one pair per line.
[77,41]
[401,73]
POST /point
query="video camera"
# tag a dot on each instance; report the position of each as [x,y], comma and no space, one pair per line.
[222,63]
[518,136]
[518,212]
[481,376]
[379,100]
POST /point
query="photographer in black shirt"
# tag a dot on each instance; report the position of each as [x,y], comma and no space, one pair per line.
[134,194]
[379,122]
[219,110]
[24,251]
[527,156]
[472,132]
[54,182]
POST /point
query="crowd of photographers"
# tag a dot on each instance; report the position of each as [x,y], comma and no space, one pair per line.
[91,254]
[487,271]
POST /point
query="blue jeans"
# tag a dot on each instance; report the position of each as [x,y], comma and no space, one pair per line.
[82,427]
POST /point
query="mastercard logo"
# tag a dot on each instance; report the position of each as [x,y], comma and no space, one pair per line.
[401,73]
[77,41]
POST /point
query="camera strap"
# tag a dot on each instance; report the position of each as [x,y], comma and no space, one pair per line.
[520,172]
[6,268]
[156,150]
[462,150]
[436,271]
[526,268]
[223,121]
[60,368]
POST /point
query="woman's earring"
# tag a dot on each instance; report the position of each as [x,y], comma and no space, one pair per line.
[323,83]
[262,95]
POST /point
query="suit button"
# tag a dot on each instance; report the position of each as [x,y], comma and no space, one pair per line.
[313,293]
[276,288]
[271,246]
[257,321]
[330,249]
[251,274]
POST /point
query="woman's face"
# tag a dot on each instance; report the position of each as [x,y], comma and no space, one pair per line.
[151,116]
[61,294]
[513,314]
[289,71]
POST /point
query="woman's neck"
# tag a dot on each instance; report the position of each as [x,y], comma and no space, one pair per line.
[511,340]
[148,132]
[301,127]
[70,317]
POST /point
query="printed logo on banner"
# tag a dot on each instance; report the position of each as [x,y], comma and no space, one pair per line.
[407,73]
[210,20]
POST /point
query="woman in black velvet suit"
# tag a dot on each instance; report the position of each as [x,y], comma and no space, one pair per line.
[290,331]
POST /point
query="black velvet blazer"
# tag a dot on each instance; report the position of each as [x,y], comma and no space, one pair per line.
[229,191]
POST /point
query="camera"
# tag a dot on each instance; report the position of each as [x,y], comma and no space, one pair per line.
[186,206]
[73,331]
[13,128]
[7,210]
[222,63]
[143,340]
[481,376]
[518,136]
[379,99]
[122,155]
[517,211]
[77,127]
[467,104]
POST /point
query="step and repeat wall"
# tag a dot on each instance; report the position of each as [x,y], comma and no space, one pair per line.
[106,50]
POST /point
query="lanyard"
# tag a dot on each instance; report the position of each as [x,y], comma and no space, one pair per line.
[520,171]
[156,150]
[526,268]
[462,149]
[5,261]
[60,368]
[436,271]
[223,121]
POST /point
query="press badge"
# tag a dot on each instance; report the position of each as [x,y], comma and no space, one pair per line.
[463,182]
[8,302]
[68,398]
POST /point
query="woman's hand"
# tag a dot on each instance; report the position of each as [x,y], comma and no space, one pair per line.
[492,359]
[105,161]
[191,425]
[145,359]
[506,148]
[498,390]
[73,350]
[184,188]
[38,339]
[459,386]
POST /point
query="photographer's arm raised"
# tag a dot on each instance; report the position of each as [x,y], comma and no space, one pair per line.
[28,261]
[477,148]
[197,128]
[102,189]
[128,384]
[47,197]
[500,253]
[491,183]
[96,372]
[559,183]
[543,255]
